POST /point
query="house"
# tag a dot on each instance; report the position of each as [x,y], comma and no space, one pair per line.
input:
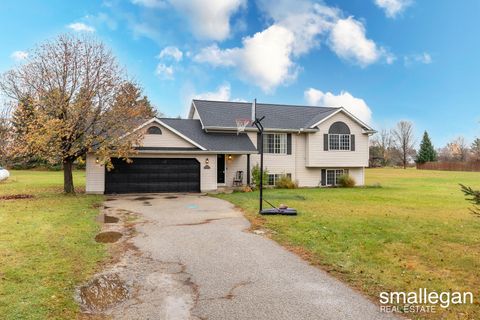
[312,145]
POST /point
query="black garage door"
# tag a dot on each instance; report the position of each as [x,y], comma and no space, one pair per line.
[153,175]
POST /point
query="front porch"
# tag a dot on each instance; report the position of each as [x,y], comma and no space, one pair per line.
[233,170]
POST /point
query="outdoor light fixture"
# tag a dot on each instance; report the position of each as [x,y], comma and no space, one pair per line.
[97,161]
[206,161]
[229,157]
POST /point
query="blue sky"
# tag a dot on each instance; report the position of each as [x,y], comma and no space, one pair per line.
[384,60]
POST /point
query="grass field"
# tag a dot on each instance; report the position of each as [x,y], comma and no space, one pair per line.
[415,231]
[46,246]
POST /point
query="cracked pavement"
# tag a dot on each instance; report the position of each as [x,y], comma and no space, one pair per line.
[223,271]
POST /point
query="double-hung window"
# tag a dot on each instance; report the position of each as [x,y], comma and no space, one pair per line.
[275,143]
[338,141]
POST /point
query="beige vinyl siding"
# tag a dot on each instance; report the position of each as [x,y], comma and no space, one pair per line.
[95,180]
[317,157]
[237,163]
[195,114]
[166,139]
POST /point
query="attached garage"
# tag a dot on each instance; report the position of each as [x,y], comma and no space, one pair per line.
[152,175]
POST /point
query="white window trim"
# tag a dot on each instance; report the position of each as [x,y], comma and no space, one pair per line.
[339,142]
[276,176]
[344,171]
[281,136]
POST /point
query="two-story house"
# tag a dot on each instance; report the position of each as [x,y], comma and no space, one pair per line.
[312,145]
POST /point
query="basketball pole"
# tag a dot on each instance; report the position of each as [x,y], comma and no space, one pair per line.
[259,126]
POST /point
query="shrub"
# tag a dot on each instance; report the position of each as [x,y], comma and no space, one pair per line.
[346,181]
[286,182]
[256,175]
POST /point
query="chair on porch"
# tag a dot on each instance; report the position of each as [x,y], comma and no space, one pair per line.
[238,179]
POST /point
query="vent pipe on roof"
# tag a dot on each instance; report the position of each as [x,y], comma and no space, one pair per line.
[254,109]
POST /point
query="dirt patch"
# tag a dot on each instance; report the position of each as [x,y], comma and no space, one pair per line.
[143,198]
[103,292]
[16,196]
[108,237]
[110,199]
[170,197]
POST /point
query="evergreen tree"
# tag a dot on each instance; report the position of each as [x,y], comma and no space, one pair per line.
[427,152]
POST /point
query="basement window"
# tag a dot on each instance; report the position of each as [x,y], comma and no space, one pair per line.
[273,178]
[333,176]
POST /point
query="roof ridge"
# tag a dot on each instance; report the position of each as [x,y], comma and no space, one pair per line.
[268,104]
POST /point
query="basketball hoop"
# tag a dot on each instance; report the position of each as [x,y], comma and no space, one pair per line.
[242,124]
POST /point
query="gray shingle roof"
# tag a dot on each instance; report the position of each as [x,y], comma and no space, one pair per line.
[228,142]
[277,116]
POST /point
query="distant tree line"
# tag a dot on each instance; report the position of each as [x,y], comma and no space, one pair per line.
[396,147]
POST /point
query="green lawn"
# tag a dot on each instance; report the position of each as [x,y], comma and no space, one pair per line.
[46,245]
[415,231]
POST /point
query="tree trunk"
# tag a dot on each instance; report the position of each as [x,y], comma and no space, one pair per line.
[67,176]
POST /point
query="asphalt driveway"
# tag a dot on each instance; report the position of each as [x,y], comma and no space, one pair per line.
[212,268]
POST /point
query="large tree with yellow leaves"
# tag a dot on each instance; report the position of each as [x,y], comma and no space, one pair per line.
[72,97]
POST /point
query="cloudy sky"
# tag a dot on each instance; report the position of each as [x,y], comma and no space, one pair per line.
[384,60]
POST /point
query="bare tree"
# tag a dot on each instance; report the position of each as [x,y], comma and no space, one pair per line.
[458,149]
[384,141]
[5,134]
[404,140]
[80,100]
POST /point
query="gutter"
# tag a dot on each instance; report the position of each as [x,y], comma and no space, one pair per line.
[231,129]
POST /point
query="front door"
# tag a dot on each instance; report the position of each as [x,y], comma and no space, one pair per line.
[221,168]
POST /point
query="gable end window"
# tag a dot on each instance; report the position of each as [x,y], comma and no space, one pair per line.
[275,143]
[154,130]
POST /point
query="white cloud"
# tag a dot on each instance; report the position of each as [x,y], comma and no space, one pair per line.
[209,19]
[356,106]
[216,56]
[164,72]
[150,3]
[222,94]
[393,8]
[264,59]
[423,58]
[267,59]
[306,20]
[171,52]
[349,42]
[81,27]
[19,56]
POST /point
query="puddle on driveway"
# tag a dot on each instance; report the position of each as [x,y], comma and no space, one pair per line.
[103,292]
[108,237]
[104,218]
[170,197]
[143,198]
[110,219]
